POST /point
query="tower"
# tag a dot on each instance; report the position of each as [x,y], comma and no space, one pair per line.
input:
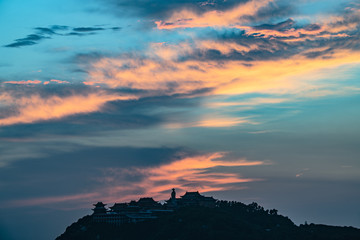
[99,208]
[173,194]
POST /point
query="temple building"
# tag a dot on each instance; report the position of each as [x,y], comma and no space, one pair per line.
[147,208]
[190,199]
[195,199]
[148,203]
[99,208]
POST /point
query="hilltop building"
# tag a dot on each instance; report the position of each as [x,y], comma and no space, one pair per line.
[190,199]
[147,208]
[99,208]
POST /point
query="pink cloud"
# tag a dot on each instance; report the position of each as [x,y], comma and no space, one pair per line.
[212,122]
[58,81]
[24,82]
[169,76]
[234,17]
[36,108]
[186,174]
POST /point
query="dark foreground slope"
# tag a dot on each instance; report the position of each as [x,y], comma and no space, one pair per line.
[229,221]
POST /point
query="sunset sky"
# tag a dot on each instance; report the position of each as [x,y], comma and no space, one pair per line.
[112,100]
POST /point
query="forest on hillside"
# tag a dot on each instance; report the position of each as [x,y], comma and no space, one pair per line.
[229,220]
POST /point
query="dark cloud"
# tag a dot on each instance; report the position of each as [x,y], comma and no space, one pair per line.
[274,10]
[315,54]
[44,91]
[115,115]
[116,28]
[282,26]
[27,41]
[74,171]
[161,9]
[86,58]
[267,48]
[42,30]
[312,27]
[31,37]
[59,30]
[274,47]
[21,44]
[59,27]
[87,29]
[350,15]
[79,34]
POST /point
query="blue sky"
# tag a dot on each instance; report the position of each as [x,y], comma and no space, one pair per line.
[112,100]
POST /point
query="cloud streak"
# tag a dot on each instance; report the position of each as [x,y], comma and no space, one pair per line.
[31,39]
[55,30]
[212,122]
[185,173]
[234,17]
[52,200]
[24,82]
[36,108]
[193,173]
[246,16]
[168,77]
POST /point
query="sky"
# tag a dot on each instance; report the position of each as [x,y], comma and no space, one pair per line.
[113,100]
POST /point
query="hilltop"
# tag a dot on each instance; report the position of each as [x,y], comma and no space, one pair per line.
[223,220]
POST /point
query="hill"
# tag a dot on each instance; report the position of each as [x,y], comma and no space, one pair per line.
[228,220]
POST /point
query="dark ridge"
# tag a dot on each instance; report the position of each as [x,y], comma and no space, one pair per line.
[194,218]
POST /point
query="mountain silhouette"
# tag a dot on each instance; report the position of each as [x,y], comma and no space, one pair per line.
[191,219]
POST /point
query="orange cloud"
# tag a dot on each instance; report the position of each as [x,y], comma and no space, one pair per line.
[23,82]
[36,108]
[55,81]
[58,81]
[89,83]
[212,122]
[293,32]
[225,47]
[186,174]
[228,78]
[189,173]
[328,26]
[230,18]
[197,164]
[249,102]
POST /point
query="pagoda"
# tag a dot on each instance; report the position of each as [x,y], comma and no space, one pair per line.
[99,208]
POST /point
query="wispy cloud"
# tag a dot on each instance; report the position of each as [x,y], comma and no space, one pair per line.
[53,31]
[52,200]
[212,122]
[87,29]
[230,78]
[55,81]
[248,102]
[30,82]
[246,16]
[186,174]
[36,108]
[234,17]
[24,82]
